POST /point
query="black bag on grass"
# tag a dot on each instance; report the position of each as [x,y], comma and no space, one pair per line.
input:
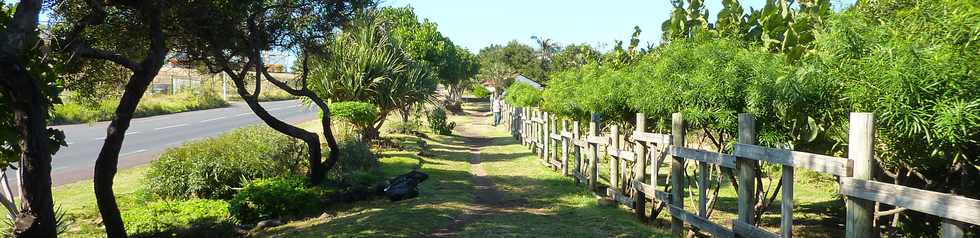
[405,186]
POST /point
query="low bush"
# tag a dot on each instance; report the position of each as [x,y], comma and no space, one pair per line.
[280,197]
[355,157]
[479,91]
[359,114]
[439,123]
[190,218]
[403,127]
[210,168]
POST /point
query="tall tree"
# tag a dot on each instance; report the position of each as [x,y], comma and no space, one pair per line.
[28,87]
[229,37]
[546,50]
[517,56]
[128,34]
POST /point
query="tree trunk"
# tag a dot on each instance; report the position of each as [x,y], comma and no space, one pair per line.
[334,155]
[107,162]
[36,218]
[30,111]
[312,140]
[405,113]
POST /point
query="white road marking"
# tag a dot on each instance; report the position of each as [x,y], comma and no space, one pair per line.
[213,119]
[280,108]
[127,133]
[132,153]
[243,114]
[168,127]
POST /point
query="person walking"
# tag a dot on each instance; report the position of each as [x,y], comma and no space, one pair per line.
[496,106]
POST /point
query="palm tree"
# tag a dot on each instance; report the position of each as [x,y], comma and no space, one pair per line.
[365,64]
[547,48]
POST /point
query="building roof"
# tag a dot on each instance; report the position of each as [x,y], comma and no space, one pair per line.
[522,79]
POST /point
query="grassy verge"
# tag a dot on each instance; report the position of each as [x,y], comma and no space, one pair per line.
[77,200]
[151,105]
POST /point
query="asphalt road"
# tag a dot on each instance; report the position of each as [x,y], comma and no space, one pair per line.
[148,137]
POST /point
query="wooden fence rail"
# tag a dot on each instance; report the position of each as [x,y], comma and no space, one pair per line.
[635,164]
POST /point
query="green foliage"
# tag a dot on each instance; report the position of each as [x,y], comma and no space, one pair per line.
[404,127]
[799,70]
[279,197]
[211,168]
[914,65]
[439,122]
[47,77]
[779,26]
[355,158]
[367,64]
[359,114]
[516,56]
[499,75]
[523,95]
[187,218]
[479,91]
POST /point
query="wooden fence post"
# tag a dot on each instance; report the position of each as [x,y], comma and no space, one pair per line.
[524,117]
[564,148]
[614,161]
[860,149]
[786,222]
[577,150]
[594,162]
[677,174]
[746,171]
[546,135]
[639,198]
[952,228]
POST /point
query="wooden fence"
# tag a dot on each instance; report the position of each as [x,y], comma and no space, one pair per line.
[635,172]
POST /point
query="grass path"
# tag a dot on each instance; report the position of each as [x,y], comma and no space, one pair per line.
[482,184]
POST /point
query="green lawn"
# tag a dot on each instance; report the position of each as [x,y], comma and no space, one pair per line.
[554,206]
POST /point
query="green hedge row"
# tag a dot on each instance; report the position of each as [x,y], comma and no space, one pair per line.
[911,63]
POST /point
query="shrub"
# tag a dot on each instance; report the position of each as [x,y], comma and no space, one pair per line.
[439,123]
[479,91]
[190,218]
[403,127]
[279,197]
[355,156]
[359,114]
[210,168]
[523,95]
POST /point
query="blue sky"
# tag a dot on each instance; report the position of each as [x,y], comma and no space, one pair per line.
[477,24]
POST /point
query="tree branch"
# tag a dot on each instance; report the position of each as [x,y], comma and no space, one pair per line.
[89,52]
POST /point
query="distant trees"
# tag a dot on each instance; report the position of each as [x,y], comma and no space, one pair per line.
[523,59]
[421,41]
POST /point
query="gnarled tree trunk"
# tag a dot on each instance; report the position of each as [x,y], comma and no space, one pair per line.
[107,162]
